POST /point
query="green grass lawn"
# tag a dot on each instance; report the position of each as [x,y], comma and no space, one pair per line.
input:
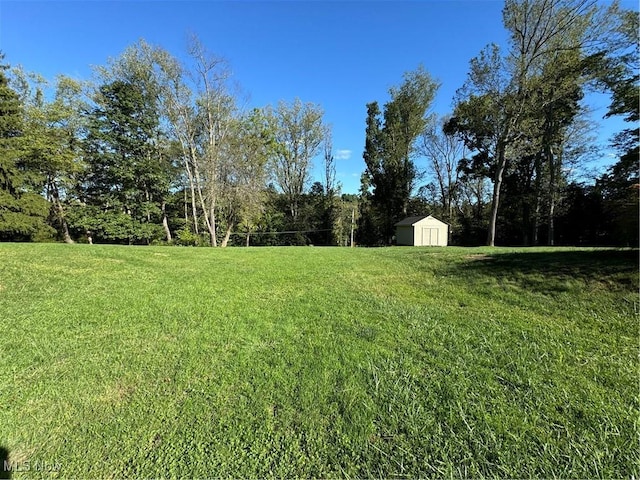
[318,362]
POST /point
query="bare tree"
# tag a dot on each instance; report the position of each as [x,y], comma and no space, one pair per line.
[330,185]
[443,152]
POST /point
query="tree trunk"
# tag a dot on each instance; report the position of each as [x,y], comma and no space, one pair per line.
[479,189]
[536,223]
[227,235]
[553,178]
[526,224]
[535,228]
[450,219]
[212,225]
[165,222]
[192,187]
[148,198]
[194,211]
[551,236]
[497,185]
[209,215]
[65,232]
[55,196]
[186,210]
[293,208]
[63,222]
[353,225]
[248,238]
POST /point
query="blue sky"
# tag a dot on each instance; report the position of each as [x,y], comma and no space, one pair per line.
[339,54]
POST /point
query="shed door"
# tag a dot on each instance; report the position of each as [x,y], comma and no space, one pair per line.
[429,236]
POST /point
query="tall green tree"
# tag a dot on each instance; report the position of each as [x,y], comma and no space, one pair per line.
[23,211]
[485,118]
[299,132]
[540,154]
[390,145]
[551,42]
[619,73]
[52,141]
[249,148]
[369,225]
[141,65]
[518,107]
[124,180]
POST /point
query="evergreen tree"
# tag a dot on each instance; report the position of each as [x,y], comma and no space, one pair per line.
[369,223]
[125,184]
[23,211]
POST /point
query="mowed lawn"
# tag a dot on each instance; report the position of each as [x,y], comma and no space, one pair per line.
[318,362]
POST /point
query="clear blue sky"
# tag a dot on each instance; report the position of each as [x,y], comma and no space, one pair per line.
[339,54]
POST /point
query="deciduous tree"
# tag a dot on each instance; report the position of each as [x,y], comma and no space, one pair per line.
[390,145]
[524,101]
[442,153]
[299,132]
[52,140]
[249,148]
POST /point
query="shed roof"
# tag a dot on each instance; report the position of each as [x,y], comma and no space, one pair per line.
[411,221]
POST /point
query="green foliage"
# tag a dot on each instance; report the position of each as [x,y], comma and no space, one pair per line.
[52,142]
[161,146]
[11,112]
[127,178]
[620,190]
[413,362]
[23,218]
[187,238]
[110,226]
[390,174]
[616,66]
[617,70]
[249,148]
[23,212]
[520,114]
[298,132]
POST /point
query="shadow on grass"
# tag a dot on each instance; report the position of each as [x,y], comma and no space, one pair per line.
[556,271]
[5,466]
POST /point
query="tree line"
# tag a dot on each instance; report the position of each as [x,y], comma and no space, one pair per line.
[160,150]
[499,166]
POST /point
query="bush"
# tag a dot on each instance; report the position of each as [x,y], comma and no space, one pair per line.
[187,238]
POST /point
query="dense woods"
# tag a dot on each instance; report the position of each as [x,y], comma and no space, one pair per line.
[160,150]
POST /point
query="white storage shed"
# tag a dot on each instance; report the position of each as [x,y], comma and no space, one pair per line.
[422,232]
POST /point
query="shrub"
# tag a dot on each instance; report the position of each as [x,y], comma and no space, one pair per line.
[187,238]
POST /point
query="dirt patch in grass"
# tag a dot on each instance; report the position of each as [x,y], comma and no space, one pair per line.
[117,394]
